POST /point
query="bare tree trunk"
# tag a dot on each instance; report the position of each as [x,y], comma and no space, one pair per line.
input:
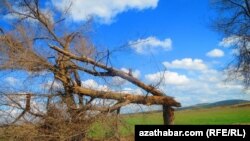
[117,135]
[168,115]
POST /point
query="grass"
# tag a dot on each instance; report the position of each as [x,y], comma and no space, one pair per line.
[211,116]
[104,129]
[221,115]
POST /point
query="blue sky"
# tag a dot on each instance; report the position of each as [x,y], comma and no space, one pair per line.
[187,23]
[161,38]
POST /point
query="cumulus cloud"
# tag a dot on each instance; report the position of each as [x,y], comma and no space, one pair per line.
[90,83]
[167,77]
[187,64]
[215,53]
[229,41]
[189,88]
[150,44]
[213,89]
[208,86]
[105,10]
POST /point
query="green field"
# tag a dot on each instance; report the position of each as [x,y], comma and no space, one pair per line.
[104,129]
[222,115]
[212,116]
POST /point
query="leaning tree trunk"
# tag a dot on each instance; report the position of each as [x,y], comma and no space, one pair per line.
[168,115]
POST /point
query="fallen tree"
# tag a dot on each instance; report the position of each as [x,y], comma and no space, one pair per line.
[35,43]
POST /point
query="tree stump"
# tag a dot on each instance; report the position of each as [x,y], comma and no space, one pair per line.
[168,115]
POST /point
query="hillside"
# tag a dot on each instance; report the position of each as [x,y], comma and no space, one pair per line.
[216,104]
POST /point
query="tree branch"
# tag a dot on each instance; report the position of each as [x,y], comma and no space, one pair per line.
[116,72]
[104,109]
[241,6]
[138,99]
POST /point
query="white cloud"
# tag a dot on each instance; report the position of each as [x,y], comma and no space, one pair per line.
[229,41]
[186,63]
[193,87]
[11,81]
[229,86]
[167,77]
[105,10]
[216,53]
[150,44]
[209,86]
[90,83]
[137,91]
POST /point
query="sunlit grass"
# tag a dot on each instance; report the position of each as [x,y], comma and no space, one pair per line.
[212,116]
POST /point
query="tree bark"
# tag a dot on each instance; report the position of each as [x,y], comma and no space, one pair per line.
[138,99]
[168,115]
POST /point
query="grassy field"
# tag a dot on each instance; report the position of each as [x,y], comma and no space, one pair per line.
[221,115]
[212,116]
[104,129]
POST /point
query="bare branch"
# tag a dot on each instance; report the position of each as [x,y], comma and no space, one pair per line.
[138,99]
[111,70]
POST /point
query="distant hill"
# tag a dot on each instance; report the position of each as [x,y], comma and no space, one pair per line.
[224,103]
[216,104]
